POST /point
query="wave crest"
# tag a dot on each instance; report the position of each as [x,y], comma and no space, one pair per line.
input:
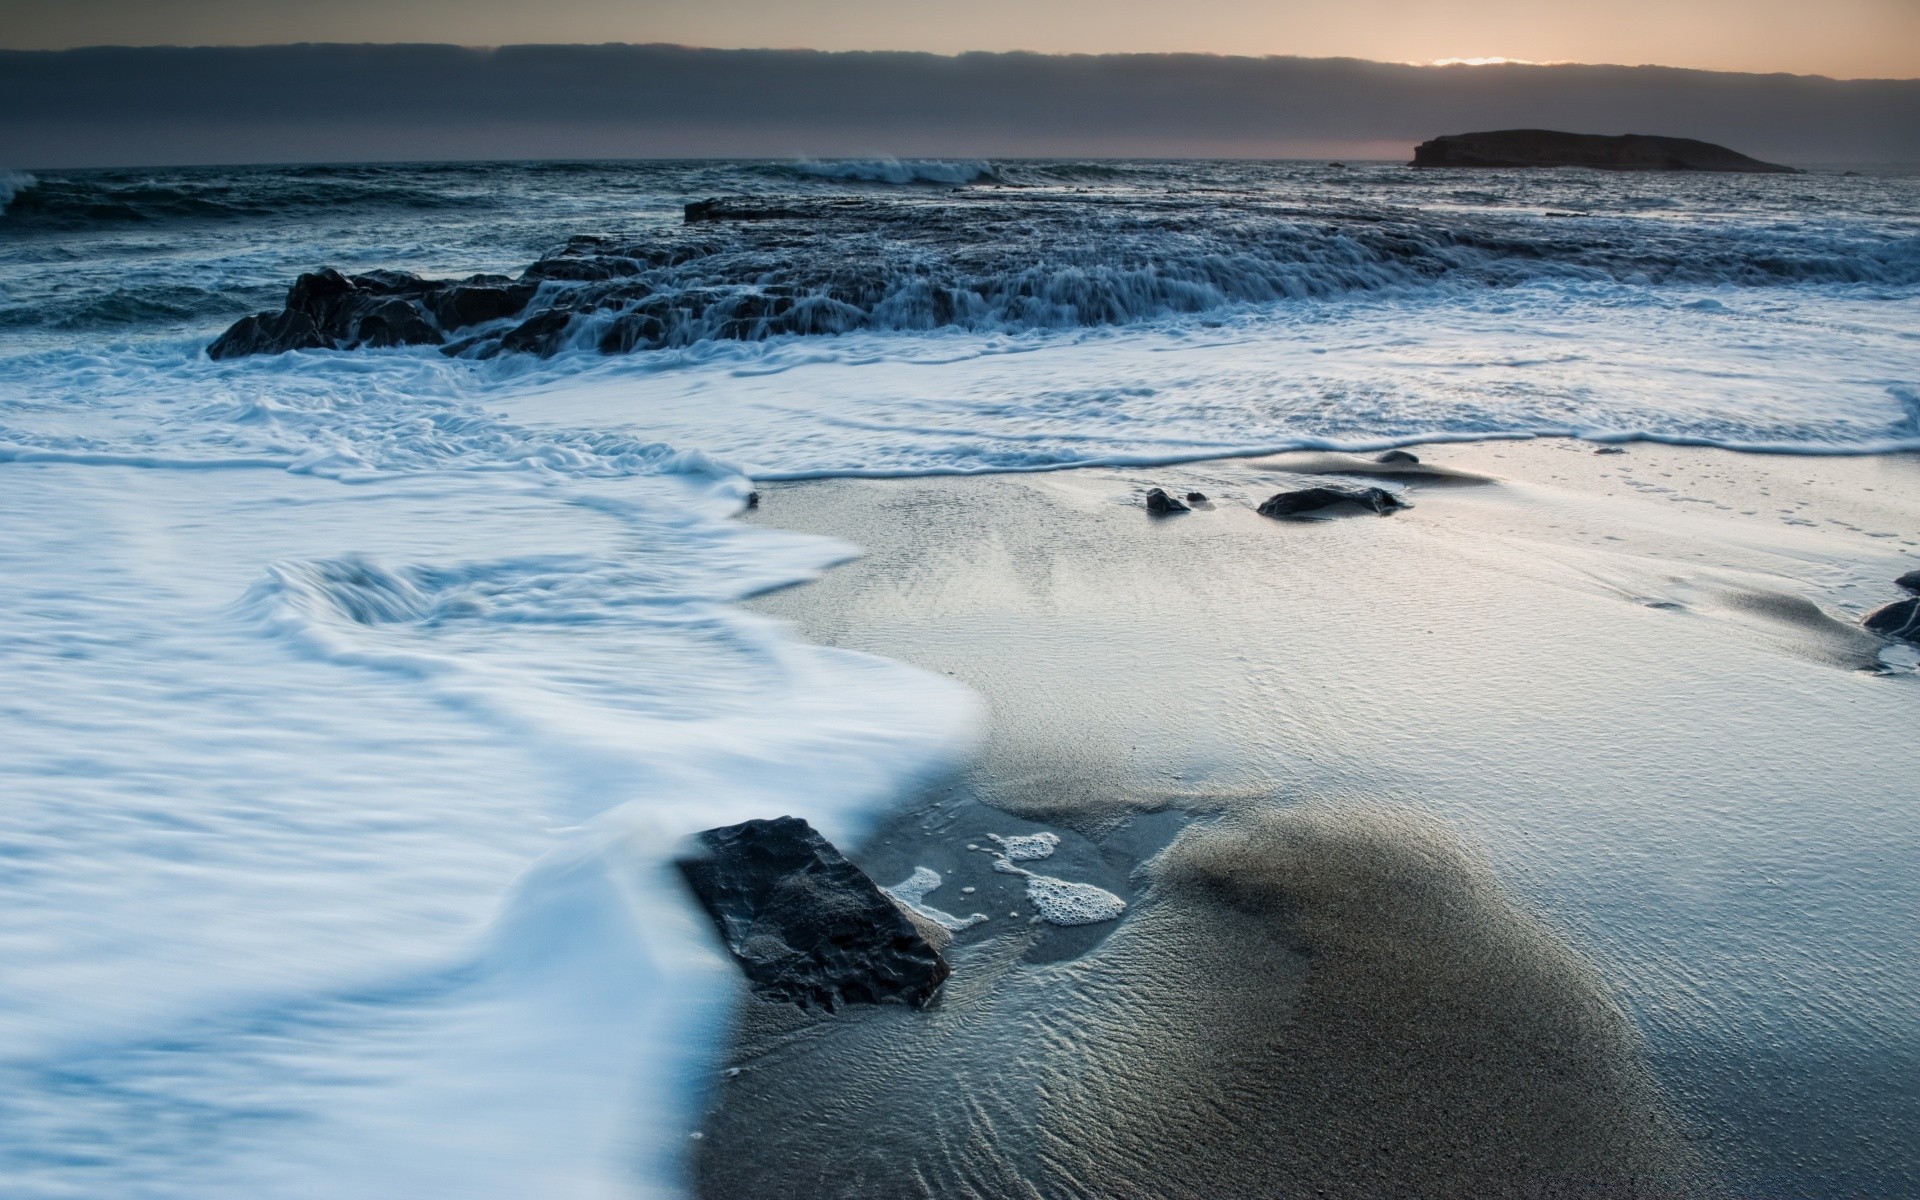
[12,183]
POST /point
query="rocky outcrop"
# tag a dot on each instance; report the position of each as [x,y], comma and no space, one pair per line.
[1313,499]
[807,926]
[1551,148]
[327,310]
[1160,504]
[1910,581]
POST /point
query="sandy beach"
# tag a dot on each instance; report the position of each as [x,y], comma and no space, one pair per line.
[1534,840]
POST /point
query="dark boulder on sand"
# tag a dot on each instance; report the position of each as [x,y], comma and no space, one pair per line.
[1159,503]
[806,925]
[1910,581]
[1313,499]
[1398,456]
[1196,497]
[1553,148]
[1901,619]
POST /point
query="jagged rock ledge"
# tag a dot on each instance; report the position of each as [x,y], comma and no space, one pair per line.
[1552,148]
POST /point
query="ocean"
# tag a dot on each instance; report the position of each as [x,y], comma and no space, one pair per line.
[356,698]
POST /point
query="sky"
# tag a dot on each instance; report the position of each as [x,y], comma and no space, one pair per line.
[158,106]
[1844,39]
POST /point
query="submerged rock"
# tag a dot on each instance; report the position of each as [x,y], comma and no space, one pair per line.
[1160,503]
[1553,148]
[806,925]
[1288,504]
[716,209]
[1910,581]
[1610,450]
[1398,456]
[1901,619]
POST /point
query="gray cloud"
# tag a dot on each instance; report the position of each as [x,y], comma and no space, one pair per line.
[160,105]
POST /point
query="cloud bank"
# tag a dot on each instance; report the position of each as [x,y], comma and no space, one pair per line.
[173,105]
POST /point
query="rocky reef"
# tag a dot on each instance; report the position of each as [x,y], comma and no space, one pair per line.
[1552,148]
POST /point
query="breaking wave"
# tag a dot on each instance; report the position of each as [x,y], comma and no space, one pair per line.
[12,183]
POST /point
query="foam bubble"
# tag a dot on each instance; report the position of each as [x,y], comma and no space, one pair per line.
[1060,902]
[1028,848]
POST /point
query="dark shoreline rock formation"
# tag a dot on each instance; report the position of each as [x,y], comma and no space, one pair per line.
[806,925]
[1313,499]
[1552,148]
[1909,582]
[748,269]
[327,310]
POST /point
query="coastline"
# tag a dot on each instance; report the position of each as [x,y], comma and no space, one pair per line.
[1380,748]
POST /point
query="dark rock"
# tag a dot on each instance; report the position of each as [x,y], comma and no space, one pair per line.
[395,322]
[318,294]
[1196,497]
[588,269]
[636,330]
[1909,581]
[1398,456]
[1288,504]
[461,305]
[1160,503]
[806,925]
[1552,148]
[753,499]
[1610,450]
[268,333]
[1901,619]
[328,310]
[542,333]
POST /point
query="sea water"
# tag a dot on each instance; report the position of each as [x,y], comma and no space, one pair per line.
[354,701]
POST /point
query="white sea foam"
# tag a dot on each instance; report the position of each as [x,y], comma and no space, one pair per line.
[1027,848]
[1061,902]
[912,893]
[1058,901]
[385,829]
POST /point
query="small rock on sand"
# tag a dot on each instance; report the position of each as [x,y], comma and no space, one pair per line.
[1159,503]
[1398,456]
[806,925]
[1901,619]
[1287,504]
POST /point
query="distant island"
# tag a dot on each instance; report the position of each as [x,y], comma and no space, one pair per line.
[1551,148]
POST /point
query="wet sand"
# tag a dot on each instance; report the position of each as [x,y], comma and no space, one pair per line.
[1434,829]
